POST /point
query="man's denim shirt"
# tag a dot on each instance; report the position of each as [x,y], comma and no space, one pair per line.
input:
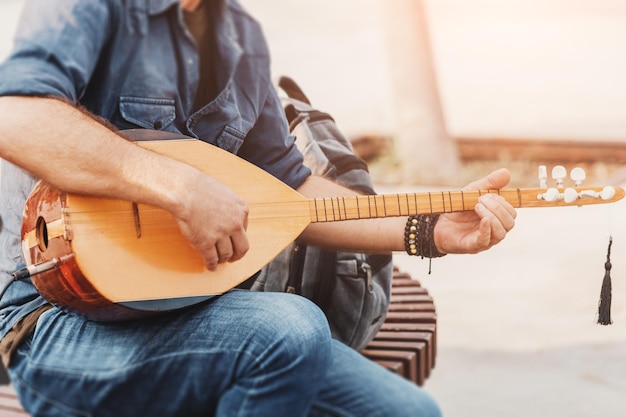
[134,63]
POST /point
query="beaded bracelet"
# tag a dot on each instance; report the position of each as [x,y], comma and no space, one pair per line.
[410,235]
[418,234]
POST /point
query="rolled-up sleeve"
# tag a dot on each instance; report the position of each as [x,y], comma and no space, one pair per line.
[270,146]
[56,48]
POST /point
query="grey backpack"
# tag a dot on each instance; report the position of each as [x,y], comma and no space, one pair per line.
[352,289]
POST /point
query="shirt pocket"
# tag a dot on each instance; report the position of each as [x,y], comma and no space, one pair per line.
[230,139]
[149,113]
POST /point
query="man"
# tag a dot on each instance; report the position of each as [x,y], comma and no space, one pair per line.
[199,68]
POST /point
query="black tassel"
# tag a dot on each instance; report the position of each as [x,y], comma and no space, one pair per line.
[604,306]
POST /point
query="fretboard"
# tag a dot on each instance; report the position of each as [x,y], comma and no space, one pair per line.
[410,204]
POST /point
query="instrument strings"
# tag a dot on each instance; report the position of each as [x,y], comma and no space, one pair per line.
[312,210]
[315,210]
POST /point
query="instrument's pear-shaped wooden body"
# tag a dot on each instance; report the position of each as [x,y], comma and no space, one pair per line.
[120,259]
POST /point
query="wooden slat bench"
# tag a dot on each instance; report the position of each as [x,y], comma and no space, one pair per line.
[9,404]
[406,343]
[407,340]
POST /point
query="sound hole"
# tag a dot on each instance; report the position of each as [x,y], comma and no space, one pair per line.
[42,234]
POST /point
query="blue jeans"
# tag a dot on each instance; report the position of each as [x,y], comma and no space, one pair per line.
[241,354]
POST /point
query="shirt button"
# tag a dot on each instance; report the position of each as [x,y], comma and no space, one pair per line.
[157,124]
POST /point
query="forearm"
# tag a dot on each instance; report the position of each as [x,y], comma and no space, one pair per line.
[371,235]
[72,151]
[469,231]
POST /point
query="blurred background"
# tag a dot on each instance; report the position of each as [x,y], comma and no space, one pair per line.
[476,80]
[439,92]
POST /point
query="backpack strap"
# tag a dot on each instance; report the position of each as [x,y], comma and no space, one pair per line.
[292,89]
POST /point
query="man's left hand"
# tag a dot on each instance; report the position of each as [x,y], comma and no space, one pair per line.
[475,231]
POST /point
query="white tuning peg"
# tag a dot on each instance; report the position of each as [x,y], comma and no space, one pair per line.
[570,195]
[543,176]
[607,193]
[551,194]
[577,175]
[559,173]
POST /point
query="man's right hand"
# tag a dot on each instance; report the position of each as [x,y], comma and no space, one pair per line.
[71,150]
[214,220]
